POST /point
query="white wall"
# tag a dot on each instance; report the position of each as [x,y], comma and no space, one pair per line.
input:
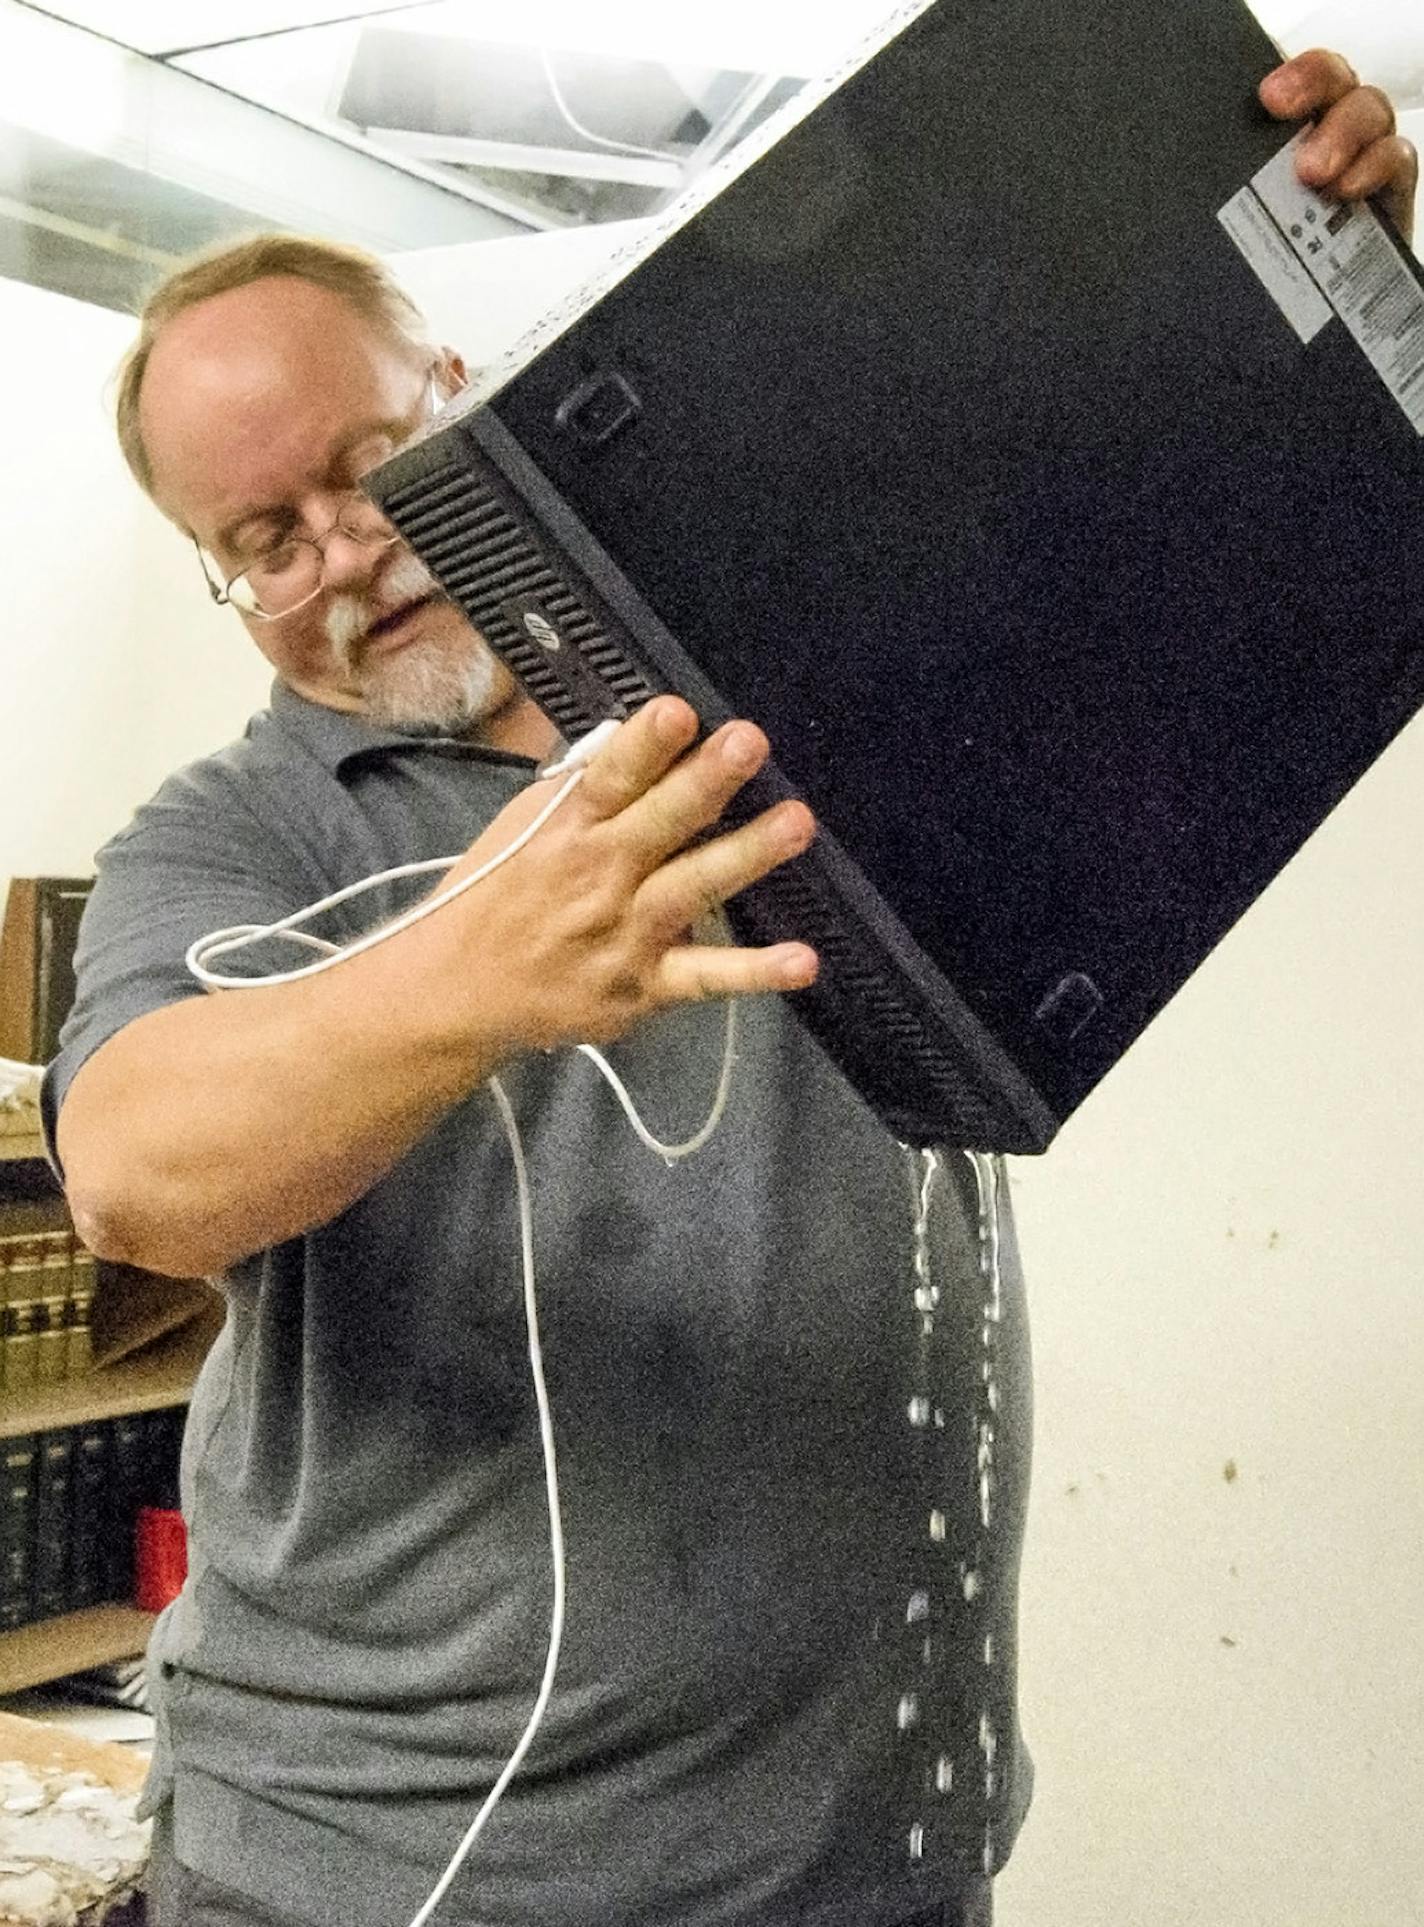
[483,296]
[114,667]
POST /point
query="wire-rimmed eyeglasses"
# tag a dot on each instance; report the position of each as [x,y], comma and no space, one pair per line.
[291,573]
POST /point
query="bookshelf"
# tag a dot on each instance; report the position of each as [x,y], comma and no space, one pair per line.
[23,1150]
[157,1374]
[49,1648]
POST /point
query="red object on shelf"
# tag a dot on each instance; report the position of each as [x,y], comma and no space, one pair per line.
[160,1557]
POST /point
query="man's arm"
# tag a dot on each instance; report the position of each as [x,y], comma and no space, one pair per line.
[214,1127]
[1356,149]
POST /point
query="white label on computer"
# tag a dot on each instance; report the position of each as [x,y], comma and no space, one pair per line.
[1277,268]
[1358,267]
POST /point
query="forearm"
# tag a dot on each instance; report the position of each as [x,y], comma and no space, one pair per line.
[218,1126]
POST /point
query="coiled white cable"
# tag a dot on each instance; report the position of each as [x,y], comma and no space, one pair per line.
[670,1153]
[240,936]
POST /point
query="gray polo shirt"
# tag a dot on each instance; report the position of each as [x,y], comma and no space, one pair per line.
[792,1437]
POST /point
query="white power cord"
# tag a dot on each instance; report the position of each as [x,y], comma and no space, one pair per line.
[241,936]
[670,1153]
[556,1525]
[219,943]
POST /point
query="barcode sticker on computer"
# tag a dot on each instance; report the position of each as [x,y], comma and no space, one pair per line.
[1277,267]
[1358,267]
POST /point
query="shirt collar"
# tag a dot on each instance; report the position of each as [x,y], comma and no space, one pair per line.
[339,737]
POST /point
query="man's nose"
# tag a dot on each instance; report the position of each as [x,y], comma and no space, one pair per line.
[347,562]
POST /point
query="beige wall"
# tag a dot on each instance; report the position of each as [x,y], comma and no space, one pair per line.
[114,668]
[1224,1675]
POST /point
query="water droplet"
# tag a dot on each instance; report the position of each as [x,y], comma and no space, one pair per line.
[938,1526]
[917,1841]
[908,1712]
[988,1649]
[973,1585]
[919,1411]
[918,1608]
[944,1773]
[926,1297]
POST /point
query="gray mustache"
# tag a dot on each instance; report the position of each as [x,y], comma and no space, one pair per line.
[349,616]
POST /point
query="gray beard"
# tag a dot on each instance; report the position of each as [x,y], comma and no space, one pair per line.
[431,686]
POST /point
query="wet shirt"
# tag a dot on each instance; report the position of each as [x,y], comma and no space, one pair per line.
[789,1381]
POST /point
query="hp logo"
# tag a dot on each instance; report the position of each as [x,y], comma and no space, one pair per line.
[541,629]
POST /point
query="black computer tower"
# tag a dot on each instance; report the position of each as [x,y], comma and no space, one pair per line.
[1073,575]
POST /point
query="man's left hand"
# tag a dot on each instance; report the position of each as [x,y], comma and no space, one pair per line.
[1355,149]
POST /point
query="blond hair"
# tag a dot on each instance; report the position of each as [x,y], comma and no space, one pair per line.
[359,279]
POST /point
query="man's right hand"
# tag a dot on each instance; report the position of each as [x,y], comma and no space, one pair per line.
[585,931]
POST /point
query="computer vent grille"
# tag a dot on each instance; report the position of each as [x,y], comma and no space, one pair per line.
[865,1014]
[485,560]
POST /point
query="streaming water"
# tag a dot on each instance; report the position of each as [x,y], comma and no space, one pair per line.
[934,1371]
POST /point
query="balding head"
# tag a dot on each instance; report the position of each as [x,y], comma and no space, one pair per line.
[360,279]
[262,381]
[250,411]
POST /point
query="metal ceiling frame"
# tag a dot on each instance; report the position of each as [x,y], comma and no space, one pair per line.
[377,186]
[197,133]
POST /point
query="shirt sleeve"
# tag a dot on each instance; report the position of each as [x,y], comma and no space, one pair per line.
[194,860]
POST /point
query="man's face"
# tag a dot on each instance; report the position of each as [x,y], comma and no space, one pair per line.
[260,409]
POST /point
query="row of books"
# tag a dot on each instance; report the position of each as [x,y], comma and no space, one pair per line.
[47,1283]
[69,1504]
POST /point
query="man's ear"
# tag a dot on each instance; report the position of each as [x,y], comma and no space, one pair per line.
[451,372]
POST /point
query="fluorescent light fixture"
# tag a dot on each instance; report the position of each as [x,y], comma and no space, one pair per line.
[586,164]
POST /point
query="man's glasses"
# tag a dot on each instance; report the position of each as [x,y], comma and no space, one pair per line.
[285,577]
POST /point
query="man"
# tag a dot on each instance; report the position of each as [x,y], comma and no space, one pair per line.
[787,1687]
